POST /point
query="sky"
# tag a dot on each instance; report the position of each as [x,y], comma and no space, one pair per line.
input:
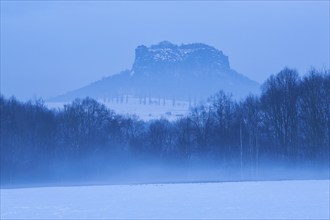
[51,47]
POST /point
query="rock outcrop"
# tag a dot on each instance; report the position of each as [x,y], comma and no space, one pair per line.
[167,58]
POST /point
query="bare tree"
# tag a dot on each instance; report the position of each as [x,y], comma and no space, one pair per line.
[252,118]
[280,104]
[315,113]
[201,121]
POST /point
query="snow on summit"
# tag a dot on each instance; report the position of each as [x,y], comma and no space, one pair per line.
[192,54]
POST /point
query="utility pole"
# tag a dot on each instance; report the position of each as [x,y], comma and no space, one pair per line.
[257,156]
[241,142]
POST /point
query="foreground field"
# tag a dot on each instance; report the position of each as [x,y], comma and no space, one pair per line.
[231,200]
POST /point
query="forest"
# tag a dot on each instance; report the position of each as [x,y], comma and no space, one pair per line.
[287,126]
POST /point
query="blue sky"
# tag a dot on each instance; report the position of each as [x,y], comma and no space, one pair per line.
[49,48]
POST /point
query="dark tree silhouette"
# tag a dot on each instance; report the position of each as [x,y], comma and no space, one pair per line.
[288,125]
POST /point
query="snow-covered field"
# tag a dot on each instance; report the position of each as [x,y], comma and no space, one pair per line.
[308,199]
[146,109]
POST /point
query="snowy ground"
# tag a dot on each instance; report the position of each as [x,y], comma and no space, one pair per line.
[146,109]
[231,200]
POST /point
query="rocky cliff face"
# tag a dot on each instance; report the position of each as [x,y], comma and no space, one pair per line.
[167,58]
[167,70]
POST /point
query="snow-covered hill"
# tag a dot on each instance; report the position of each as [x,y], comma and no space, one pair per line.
[307,199]
[169,71]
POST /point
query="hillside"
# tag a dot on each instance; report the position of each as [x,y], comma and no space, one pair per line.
[169,71]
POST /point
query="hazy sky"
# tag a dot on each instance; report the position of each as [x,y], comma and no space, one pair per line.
[49,48]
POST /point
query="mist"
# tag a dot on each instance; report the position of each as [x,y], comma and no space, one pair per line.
[164,110]
[221,140]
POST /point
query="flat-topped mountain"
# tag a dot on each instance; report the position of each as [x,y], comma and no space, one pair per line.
[168,59]
[166,70]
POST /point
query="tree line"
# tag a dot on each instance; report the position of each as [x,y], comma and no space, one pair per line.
[288,125]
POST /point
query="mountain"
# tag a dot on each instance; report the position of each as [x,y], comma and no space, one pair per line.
[171,71]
